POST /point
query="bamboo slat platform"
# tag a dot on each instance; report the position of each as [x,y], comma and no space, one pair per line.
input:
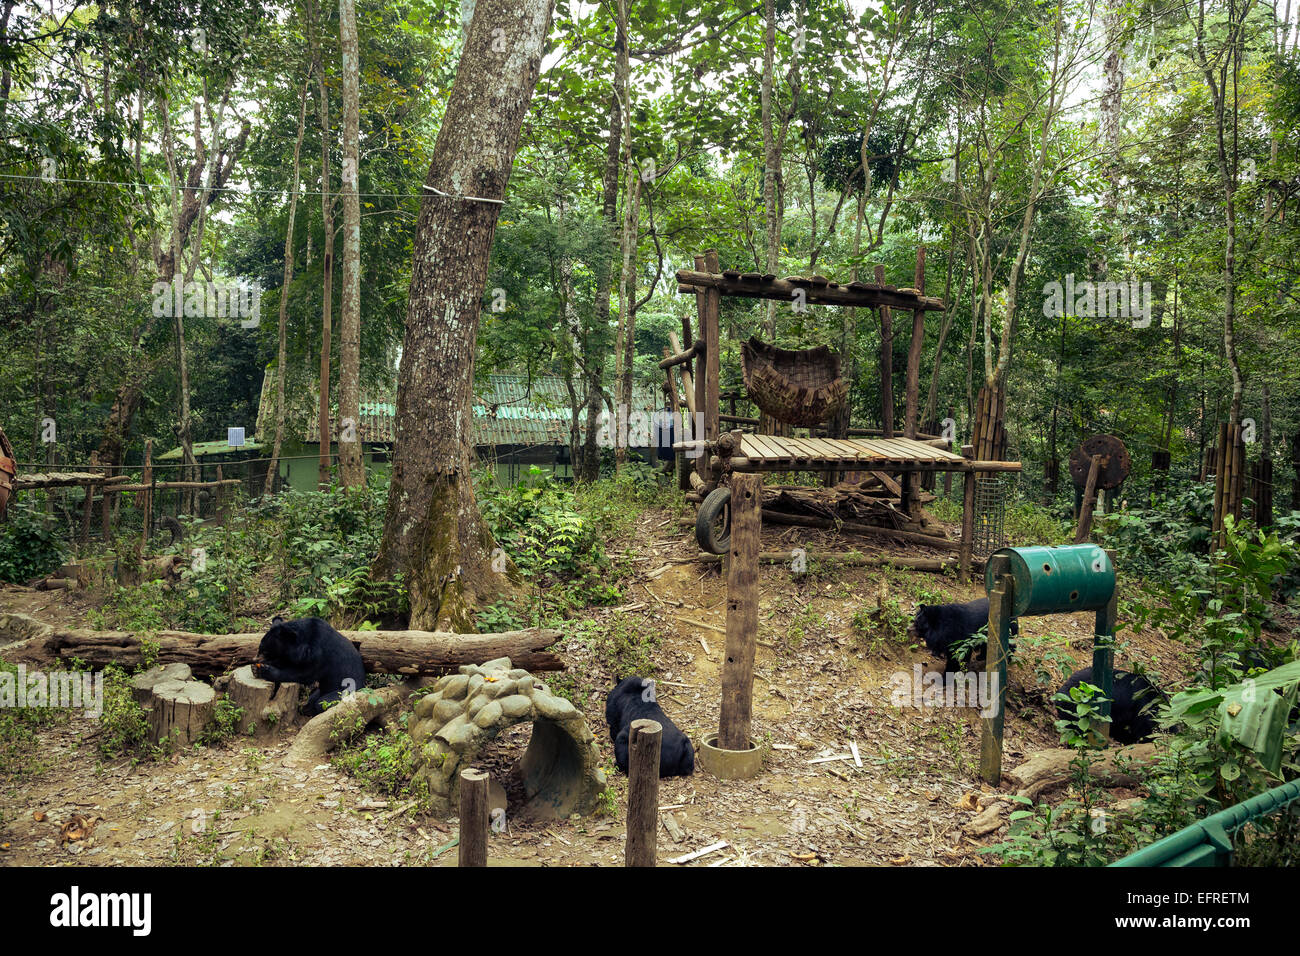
[783,453]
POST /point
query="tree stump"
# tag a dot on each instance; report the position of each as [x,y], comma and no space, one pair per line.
[142,684]
[179,711]
[266,707]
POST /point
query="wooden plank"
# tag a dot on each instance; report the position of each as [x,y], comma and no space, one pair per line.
[888,482]
[772,451]
[791,444]
[806,451]
[864,297]
[780,452]
[847,450]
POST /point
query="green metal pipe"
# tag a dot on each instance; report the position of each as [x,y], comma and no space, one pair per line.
[1183,848]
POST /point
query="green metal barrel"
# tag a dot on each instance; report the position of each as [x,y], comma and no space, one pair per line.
[1074,577]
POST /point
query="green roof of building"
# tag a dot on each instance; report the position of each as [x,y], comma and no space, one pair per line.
[508,410]
[204,449]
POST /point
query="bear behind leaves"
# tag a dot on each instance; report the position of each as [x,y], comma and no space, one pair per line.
[1135,703]
[310,652]
[944,627]
[634,699]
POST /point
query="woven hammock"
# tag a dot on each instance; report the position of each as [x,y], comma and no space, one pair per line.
[796,387]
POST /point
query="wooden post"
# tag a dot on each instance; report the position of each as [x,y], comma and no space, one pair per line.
[697,425]
[146,479]
[912,479]
[106,507]
[1103,648]
[644,740]
[742,611]
[915,347]
[886,364]
[688,383]
[712,356]
[473,817]
[947,475]
[1089,500]
[1002,602]
[86,511]
[967,516]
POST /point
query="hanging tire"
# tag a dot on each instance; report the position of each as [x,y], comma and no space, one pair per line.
[171,527]
[715,507]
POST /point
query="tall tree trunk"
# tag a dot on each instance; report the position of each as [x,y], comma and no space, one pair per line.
[929,417]
[327,262]
[273,468]
[624,349]
[350,468]
[771,161]
[594,360]
[1219,71]
[1054,97]
[1112,93]
[433,532]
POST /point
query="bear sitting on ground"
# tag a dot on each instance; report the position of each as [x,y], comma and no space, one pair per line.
[634,699]
[946,627]
[1134,703]
[310,652]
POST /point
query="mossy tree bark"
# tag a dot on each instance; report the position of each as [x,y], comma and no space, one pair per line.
[433,531]
[351,471]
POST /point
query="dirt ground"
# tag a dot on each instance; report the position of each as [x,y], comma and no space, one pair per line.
[821,688]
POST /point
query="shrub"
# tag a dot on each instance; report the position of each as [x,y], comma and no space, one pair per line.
[29,548]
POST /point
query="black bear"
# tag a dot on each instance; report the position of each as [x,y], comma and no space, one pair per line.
[945,628]
[310,652]
[633,699]
[1134,701]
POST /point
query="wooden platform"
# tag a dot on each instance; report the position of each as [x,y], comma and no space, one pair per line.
[773,452]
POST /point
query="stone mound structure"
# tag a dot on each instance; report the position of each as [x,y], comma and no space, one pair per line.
[463,712]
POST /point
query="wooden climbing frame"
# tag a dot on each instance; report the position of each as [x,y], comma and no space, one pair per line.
[715,454]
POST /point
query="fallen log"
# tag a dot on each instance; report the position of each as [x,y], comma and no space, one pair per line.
[382,652]
[345,720]
[1049,769]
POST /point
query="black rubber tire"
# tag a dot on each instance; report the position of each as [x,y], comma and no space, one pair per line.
[716,504]
[171,527]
